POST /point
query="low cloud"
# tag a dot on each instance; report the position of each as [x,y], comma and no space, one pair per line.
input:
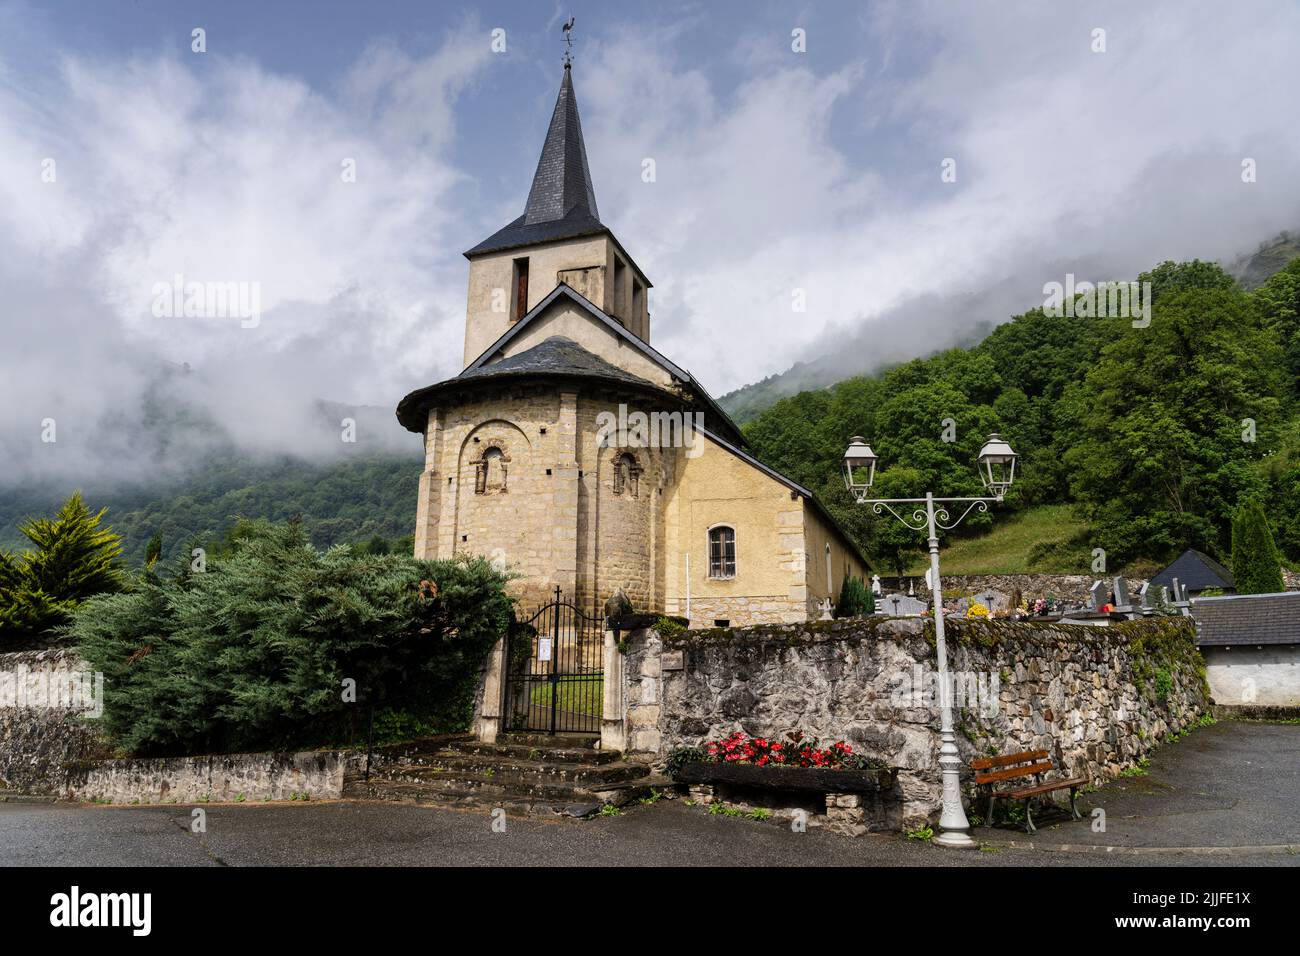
[158,172]
[778,175]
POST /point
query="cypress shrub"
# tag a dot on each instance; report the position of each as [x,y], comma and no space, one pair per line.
[263,648]
[856,599]
[1256,563]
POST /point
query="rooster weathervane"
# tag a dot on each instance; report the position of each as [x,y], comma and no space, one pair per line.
[568,40]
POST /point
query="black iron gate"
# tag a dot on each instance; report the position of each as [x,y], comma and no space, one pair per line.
[555,681]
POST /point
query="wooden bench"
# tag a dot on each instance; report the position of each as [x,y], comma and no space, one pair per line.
[990,771]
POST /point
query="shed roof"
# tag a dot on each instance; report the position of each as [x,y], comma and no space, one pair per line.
[1196,571]
[1248,619]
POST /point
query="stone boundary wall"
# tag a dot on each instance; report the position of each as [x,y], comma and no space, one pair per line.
[1070,587]
[37,742]
[58,751]
[1067,587]
[1098,699]
[219,778]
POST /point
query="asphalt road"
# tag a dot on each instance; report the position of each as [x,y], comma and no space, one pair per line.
[1231,787]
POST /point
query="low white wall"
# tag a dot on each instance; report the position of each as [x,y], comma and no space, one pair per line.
[1249,674]
[218,778]
[43,726]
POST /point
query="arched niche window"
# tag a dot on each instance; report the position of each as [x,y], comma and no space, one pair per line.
[627,474]
[491,471]
[722,552]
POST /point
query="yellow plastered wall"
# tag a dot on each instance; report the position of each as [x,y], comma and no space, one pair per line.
[718,488]
[819,533]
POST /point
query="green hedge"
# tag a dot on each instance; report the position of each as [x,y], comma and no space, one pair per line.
[255,650]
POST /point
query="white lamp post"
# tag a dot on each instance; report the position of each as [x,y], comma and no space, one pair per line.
[997,466]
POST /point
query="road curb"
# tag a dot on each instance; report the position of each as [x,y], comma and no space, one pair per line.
[1288,848]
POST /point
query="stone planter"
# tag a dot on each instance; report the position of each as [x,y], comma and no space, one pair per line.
[814,779]
[850,802]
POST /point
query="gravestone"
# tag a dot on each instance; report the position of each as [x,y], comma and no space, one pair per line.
[1097,595]
[900,605]
[1122,602]
[1180,598]
[913,606]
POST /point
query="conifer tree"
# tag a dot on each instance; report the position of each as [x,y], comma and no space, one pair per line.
[73,559]
[1256,564]
[153,550]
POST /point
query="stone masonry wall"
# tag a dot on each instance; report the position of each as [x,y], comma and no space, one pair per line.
[59,751]
[219,778]
[744,611]
[1098,699]
[37,741]
[1068,587]
[548,508]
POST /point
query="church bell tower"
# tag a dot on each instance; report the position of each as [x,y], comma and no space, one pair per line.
[560,238]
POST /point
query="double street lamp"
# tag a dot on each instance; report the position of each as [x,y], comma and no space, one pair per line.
[997,468]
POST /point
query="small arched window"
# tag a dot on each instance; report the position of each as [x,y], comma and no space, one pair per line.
[490,471]
[722,552]
[627,474]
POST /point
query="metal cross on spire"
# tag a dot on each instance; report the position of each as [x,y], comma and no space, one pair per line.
[568,41]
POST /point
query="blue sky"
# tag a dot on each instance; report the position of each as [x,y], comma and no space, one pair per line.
[319,43]
[778,171]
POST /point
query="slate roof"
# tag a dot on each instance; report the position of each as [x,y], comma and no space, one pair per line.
[1195,571]
[562,183]
[1248,619]
[519,233]
[562,201]
[715,410]
[556,356]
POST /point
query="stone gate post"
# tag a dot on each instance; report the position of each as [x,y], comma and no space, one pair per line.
[489,719]
[612,733]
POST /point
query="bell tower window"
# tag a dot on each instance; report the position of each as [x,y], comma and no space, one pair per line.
[520,288]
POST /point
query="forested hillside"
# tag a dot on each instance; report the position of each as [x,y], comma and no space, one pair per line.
[346,501]
[862,356]
[1153,434]
[1144,432]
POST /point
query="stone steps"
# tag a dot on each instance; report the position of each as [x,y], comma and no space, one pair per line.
[524,774]
[522,771]
[523,751]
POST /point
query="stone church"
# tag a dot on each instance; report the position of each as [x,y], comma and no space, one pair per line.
[574,452]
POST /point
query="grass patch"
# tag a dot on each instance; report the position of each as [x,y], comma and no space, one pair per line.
[579,695]
[1139,770]
[1048,539]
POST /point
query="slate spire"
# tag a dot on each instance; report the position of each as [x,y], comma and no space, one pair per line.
[562,184]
